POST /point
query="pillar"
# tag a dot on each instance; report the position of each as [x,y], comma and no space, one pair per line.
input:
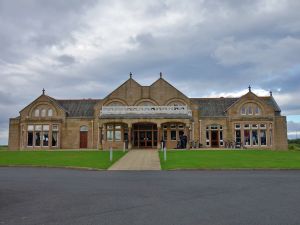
[187,132]
[100,138]
[129,137]
[159,134]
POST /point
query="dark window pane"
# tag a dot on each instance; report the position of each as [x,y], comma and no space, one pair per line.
[37,139]
[173,134]
[45,139]
[30,139]
[54,138]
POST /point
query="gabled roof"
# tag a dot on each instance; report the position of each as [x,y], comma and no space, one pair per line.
[269,100]
[163,80]
[79,108]
[213,106]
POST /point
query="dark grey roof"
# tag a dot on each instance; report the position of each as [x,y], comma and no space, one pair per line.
[271,101]
[217,106]
[79,108]
[213,106]
[145,116]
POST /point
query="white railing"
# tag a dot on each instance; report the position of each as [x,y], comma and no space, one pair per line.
[108,110]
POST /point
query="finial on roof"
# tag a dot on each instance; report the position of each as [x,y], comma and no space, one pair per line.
[160,75]
[249,88]
[271,93]
[130,75]
[43,91]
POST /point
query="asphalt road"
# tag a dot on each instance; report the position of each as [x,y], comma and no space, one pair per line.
[60,196]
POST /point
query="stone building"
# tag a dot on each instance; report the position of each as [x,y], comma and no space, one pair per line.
[136,116]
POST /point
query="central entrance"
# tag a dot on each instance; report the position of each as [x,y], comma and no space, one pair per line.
[145,135]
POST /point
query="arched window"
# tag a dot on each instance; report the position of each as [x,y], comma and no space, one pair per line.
[250,109]
[43,112]
[84,128]
[37,113]
[50,112]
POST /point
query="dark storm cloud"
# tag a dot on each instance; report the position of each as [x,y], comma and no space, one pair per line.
[81,49]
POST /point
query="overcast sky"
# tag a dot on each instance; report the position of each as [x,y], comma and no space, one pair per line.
[85,49]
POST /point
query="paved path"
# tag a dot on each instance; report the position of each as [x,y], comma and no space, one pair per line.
[138,160]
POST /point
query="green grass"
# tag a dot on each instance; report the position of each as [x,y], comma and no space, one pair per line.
[84,159]
[3,147]
[231,159]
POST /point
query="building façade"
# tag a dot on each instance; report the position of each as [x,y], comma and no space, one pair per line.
[136,116]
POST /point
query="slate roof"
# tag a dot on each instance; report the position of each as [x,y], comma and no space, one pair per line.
[210,107]
[213,106]
[79,108]
[217,106]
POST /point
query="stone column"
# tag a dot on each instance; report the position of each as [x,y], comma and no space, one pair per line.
[104,135]
[159,133]
[129,136]
[187,132]
[100,138]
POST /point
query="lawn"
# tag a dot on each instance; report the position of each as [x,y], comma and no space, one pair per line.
[231,159]
[83,159]
[3,147]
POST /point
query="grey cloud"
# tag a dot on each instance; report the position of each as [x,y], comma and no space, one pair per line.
[216,46]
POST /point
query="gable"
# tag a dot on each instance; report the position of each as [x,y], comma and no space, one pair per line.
[266,107]
[128,92]
[163,92]
[42,100]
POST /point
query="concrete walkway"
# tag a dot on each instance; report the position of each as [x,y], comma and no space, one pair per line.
[138,160]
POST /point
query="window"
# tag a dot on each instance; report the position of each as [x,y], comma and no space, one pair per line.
[84,128]
[165,135]
[243,111]
[30,138]
[221,138]
[110,135]
[38,127]
[254,126]
[55,127]
[254,138]
[43,112]
[173,135]
[238,137]
[117,132]
[246,137]
[50,112]
[250,109]
[271,137]
[45,139]
[37,138]
[237,126]
[37,113]
[263,140]
[257,110]
[207,137]
[30,128]
[262,126]
[247,126]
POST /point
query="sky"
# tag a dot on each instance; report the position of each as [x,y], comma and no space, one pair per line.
[85,49]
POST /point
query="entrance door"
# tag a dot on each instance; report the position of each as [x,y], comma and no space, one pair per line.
[214,138]
[83,139]
[145,135]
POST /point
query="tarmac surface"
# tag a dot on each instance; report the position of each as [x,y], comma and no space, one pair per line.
[64,196]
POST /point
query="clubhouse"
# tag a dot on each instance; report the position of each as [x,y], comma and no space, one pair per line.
[135,116]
